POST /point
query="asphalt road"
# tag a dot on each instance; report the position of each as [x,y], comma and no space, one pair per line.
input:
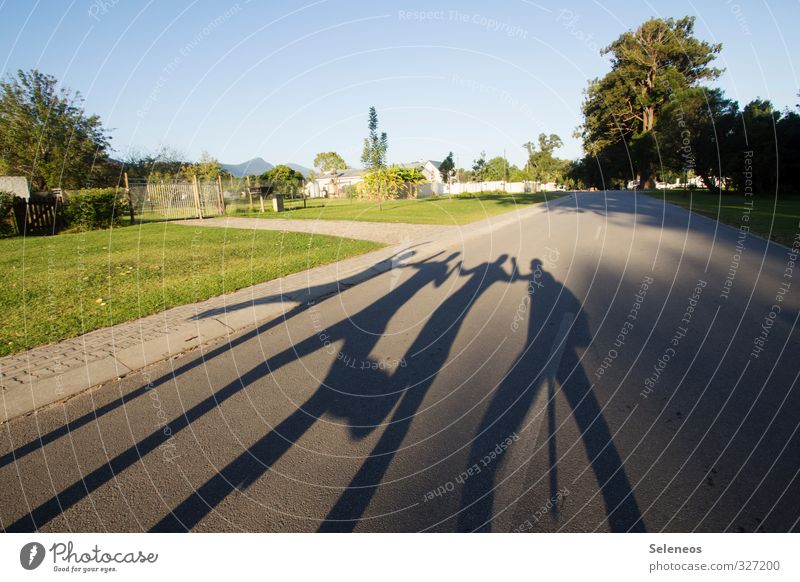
[613,364]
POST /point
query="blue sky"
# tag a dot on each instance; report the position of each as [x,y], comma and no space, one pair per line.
[284,80]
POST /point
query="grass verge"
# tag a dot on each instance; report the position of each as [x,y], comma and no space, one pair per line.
[777,220]
[457,210]
[62,286]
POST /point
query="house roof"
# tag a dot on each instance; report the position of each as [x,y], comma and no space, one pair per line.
[16,185]
[420,164]
[349,172]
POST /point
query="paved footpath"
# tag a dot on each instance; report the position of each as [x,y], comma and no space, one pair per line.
[384,232]
[51,373]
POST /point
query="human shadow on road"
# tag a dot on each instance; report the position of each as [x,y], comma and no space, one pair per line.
[317,292]
[426,357]
[373,319]
[557,329]
[313,291]
[354,390]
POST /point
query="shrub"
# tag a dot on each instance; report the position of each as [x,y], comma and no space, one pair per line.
[7,224]
[392,182]
[93,208]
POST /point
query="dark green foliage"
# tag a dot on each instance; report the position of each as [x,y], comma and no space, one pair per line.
[94,208]
[542,165]
[660,58]
[447,167]
[479,169]
[283,180]
[46,136]
[7,223]
[375,146]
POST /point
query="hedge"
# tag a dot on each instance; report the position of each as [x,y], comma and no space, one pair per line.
[93,208]
[7,224]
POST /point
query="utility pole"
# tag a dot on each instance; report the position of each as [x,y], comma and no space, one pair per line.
[131,210]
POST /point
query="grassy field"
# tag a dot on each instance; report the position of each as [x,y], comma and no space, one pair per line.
[782,218]
[461,209]
[61,286]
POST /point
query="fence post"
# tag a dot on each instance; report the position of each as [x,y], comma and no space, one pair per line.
[249,192]
[197,198]
[130,198]
[221,195]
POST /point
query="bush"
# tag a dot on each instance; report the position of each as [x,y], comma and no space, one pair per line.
[93,208]
[7,225]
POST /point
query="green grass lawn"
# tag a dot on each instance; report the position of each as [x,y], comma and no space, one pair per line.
[461,209]
[62,286]
[782,218]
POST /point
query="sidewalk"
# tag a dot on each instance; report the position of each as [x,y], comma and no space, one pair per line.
[385,232]
[51,373]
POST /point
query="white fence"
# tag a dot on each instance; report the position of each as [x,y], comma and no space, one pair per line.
[175,200]
[428,189]
[438,189]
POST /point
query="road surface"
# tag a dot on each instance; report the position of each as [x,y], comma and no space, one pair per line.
[612,364]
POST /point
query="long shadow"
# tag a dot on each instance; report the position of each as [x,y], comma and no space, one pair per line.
[426,357]
[312,291]
[318,292]
[373,318]
[557,329]
[354,390]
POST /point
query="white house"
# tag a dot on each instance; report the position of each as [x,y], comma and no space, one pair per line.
[333,184]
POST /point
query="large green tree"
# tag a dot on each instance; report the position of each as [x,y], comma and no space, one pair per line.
[542,165]
[165,163]
[208,168]
[333,163]
[283,180]
[46,135]
[447,167]
[498,169]
[661,57]
[788,134]
[479,168]
[329,162]
[696,133]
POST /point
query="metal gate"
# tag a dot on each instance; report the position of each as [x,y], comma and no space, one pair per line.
[163,200]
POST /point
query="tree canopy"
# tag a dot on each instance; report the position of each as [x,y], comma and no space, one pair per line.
[479,168]
[659,58]
[543,166]
[375,145]
[447,167]
[329,162]
[46,135]
[391,182]
[283,180]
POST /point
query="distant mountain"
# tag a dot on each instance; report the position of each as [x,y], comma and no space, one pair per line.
[298,168]
[259,166]
[249,168]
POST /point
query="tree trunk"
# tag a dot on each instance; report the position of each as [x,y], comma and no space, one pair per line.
[647,177]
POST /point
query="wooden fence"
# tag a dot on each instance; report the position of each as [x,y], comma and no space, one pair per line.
[174,200]
[39,214]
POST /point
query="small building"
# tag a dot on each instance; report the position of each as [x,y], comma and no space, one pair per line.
[333,184]
[16,185]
